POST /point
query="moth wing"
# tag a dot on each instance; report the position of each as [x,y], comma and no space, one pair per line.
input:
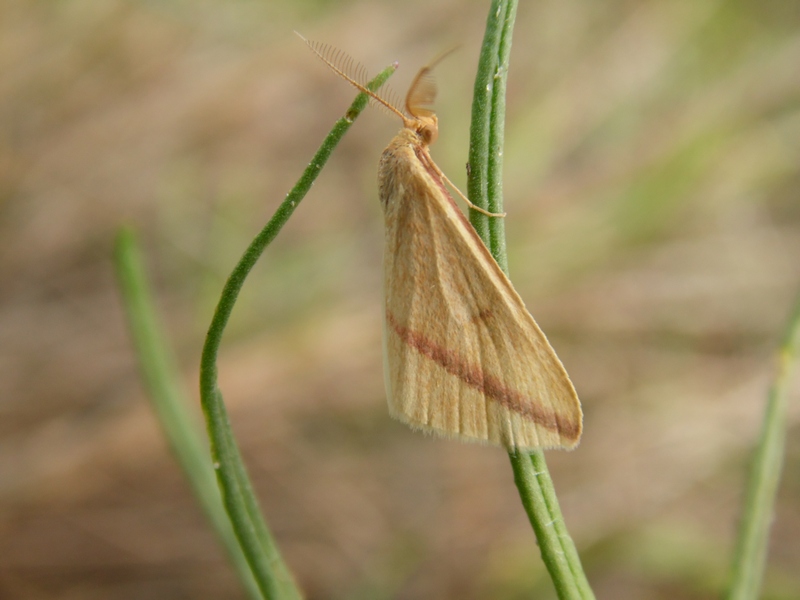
[464,357]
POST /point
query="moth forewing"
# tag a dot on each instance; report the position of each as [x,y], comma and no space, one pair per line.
[465,359]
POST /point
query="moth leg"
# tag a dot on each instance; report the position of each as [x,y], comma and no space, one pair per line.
[465,199]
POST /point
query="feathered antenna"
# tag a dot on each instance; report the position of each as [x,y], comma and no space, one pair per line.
[354,73]
[420,95]
[422,91]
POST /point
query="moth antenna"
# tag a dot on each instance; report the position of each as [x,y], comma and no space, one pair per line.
[421,94]
[351,71]
[422,91]
[391,96]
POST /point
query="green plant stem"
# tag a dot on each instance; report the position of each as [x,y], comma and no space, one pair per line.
[559,553]
[751,549]
[481,126]
[485,190]
[269,570]
[168,399]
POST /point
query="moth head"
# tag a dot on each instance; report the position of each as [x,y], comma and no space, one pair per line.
[427,128]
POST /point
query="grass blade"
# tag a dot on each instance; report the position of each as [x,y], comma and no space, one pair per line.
[751,549]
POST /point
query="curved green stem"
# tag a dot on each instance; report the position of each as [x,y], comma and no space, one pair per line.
[169,400]
[269,570]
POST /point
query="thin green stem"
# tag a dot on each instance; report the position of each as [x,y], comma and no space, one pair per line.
[497,125]
[269,570]
[169,400]
[480,128]
[485,190]
[751,549]
[539,499]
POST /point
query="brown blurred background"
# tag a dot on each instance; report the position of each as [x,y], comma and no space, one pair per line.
[651,178]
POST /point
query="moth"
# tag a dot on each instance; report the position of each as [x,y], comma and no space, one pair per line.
[463,357]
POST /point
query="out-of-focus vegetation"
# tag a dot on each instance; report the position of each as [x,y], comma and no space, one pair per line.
[652,175]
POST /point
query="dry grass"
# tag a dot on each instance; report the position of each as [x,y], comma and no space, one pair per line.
[654,229]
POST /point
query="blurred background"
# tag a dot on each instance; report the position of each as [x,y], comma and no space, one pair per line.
[651,180]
